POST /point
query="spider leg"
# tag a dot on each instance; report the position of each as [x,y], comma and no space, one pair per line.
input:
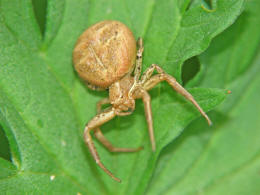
[139,59]
[148,114]
[138,64]
[150,81]
[97,121]
[99,135]
[149,71]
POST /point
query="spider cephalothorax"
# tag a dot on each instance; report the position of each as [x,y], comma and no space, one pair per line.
[105,57]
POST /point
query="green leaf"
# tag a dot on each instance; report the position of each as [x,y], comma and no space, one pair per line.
[6,169]
[4,146]
[223,159]
[44,106]
[231,54]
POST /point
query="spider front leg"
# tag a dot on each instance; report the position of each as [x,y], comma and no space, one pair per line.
[100,136]
[97,121]
[148,81]
[148,113]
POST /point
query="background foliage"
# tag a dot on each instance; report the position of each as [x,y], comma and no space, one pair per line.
[44,105]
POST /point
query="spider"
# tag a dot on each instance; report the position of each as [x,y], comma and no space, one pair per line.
[105,57]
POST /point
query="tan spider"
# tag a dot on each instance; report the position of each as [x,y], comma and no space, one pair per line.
[104,57]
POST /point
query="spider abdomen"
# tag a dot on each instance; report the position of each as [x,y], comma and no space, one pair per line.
[104,53]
